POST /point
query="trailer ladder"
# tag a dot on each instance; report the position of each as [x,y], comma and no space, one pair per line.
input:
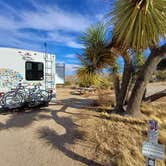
[49,72]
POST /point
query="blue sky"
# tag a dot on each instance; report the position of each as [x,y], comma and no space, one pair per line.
[27,24]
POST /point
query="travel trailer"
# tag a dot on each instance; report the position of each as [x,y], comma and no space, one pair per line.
[60,73]
[28,67]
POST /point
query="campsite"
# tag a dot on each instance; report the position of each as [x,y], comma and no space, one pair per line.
[65,133]
[82,83]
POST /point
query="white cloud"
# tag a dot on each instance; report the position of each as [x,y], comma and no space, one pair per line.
[7,23]
[55,18]
[50,19]
[45,18]
[71,56]
[63,39]
[12,38]
[71,67]
[74,44]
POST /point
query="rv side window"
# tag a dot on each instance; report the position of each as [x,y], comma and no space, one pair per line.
[34,71]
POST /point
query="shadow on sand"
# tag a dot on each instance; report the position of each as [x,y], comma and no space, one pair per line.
[49,136]
[72,134]
[22,118]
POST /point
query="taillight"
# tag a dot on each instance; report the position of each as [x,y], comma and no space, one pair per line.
[1,94]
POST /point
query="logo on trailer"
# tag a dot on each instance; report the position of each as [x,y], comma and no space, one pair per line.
[26,56]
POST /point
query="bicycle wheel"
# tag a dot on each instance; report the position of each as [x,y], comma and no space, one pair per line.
[13,100]
[43,96]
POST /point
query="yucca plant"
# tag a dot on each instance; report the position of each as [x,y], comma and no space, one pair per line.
[88,76]
[96,51]
[96,55]
[138,25]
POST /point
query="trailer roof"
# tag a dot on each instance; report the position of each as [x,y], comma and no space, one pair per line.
[25,50]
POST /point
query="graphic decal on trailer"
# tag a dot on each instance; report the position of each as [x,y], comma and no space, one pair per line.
[9,79]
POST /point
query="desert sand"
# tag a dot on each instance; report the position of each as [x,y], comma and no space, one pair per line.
[49,136]
[46,136]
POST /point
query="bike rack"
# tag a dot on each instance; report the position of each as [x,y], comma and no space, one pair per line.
[34,98]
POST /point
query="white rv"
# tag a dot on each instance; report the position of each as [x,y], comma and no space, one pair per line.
[29,67]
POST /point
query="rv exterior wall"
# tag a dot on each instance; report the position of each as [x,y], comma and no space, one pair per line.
[12,68]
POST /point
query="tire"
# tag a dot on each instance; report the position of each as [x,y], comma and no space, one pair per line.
[13,100]
[43,96]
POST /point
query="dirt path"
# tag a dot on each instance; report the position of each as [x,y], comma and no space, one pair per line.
[47,136]
[155,88]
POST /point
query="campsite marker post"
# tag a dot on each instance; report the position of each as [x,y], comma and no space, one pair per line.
[151,149]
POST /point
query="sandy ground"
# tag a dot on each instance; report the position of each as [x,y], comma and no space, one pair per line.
[51,136]
[155,87]
[46,136]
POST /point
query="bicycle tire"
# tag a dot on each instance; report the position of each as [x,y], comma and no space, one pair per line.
[44,96]
[13,100]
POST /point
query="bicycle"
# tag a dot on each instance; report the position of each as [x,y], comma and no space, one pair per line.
[14,98]
[21,97]
[38,96]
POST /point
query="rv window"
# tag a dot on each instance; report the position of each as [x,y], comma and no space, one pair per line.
[40,67]
[34,71]
[29,66]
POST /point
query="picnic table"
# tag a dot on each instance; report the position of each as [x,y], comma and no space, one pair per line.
[83,90]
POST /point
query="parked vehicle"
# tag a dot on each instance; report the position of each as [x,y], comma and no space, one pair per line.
[31,69]
[14,98]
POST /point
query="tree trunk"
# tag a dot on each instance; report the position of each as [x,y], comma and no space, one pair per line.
[128,68]
[116,82]
[155,96]
[157,54]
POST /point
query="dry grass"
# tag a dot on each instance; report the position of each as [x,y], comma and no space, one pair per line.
[105,98]
[118,139]
[157,112]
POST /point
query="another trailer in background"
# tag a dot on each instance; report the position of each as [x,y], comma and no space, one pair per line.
[60,73]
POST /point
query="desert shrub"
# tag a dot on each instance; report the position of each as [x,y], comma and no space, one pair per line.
[105,98]
[68,83]
[106,83]
[59,86]
[161,75]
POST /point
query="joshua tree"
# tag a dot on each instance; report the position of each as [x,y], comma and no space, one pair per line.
[138,25]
